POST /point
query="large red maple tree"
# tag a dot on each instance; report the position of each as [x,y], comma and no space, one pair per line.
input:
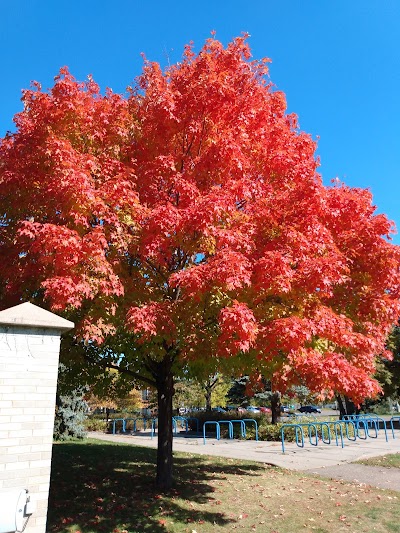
[186,223]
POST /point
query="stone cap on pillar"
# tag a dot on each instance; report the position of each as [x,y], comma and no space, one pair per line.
[29,315]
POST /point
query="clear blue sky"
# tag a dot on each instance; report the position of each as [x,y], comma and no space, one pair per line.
[337,61]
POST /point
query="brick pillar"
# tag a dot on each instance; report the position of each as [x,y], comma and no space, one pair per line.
[29,353]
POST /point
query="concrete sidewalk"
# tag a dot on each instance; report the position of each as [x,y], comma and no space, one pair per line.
[310,458]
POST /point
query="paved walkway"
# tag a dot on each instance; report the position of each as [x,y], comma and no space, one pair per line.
[377,476]
[325,460]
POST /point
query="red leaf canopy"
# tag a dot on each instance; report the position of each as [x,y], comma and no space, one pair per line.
[190,213]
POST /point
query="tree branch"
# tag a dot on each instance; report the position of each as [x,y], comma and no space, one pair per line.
[105,364]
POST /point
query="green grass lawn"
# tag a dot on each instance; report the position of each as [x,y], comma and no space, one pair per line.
[108,487]
[387,461]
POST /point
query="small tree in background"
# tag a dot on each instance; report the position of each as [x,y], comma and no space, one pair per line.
[70,416]
[219,391]
[71,412]
[132,401]
[302,394]
[215,389]
[237,394]
[188,393]
[388,370]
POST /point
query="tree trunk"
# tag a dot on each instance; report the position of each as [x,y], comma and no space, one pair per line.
[275,407]
[350,407]
[210,384]
[208,399]
[346,406]
[165,392]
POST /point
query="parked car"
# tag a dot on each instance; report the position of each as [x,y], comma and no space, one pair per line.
[309,409]
[219,410]
[252,409]
[265,410]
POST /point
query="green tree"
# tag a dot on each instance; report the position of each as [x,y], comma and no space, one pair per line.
[188,393]
[388,373]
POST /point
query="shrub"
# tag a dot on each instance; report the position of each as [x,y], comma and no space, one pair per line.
[70,416]
[382,408]
[272,432]
[95,424]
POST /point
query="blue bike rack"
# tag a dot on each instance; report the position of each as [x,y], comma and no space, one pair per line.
[184,422]
[135,420]
[154,425]
[114,424]
[314,426]
[298,429]
[197,422]
[372,423]
[217,429]
[325,429]
[362,426]
[252,421]
[367,420]
[230,423]
[358,423]
[338,426]
[230,427]
[325,425]
[242,427]
[378,421]
[347,424]
[391,423]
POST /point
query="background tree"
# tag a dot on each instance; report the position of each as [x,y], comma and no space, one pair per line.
[236,394]
[194,393]
[302,394]
[388,373]
[215,389]
[188,393]
[186,221]
[346,406]
[244,389]
[130,402]
[388,376]
[219,392]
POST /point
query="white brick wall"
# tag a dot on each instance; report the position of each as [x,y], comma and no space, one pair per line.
[28,382]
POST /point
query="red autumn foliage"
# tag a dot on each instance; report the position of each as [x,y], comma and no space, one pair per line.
[196,194]
[190,215]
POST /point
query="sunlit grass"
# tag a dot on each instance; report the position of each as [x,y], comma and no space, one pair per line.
[387,461]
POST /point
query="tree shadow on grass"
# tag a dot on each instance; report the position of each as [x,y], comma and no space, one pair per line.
[110,488]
